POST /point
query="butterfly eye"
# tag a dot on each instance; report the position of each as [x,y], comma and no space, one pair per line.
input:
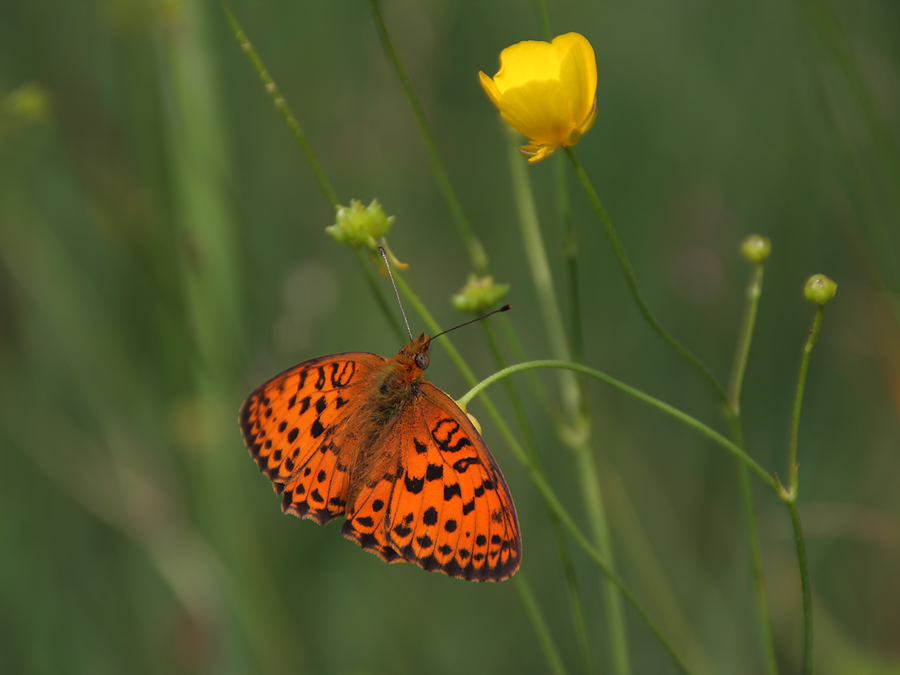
[422,361]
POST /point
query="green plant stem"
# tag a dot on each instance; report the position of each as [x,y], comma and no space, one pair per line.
[754,290]
[476,252]
[636,393]
[571,580]
[576,429]
[803,564]
[789,495]
[324,183]
[274,93]
[583,542]
[683,351]
[537,477]
[541,629]
[798,403]
[733,412]
[544,19]
[753,550]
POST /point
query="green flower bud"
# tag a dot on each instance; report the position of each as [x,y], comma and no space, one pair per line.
[820,290]
[756,249]
[479,295]
[360,225]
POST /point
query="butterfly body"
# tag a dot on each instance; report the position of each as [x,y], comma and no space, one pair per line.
[368,438]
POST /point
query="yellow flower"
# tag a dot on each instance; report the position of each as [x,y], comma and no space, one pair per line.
[546,91]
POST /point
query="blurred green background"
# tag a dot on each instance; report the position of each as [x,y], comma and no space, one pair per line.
[162,253]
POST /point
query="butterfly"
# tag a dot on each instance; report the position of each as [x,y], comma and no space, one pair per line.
[368,438]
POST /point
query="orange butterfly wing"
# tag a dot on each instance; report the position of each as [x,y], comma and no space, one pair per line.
[289,426]
[414,478]
[448,508]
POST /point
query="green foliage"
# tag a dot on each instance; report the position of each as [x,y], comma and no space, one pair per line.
[162,253]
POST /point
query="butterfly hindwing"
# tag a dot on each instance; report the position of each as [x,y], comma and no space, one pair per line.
[365,524]
[289,426]
[451,510]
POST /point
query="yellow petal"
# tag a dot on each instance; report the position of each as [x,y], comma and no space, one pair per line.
[539,110]
[526,61]
[578,72]
[490,88]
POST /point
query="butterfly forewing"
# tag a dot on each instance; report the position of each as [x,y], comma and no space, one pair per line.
[290,423]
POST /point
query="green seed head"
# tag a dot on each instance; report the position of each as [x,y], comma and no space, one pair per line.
[359,225]
[479,295]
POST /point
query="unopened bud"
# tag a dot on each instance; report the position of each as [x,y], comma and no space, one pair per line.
[820,290]
[756,249]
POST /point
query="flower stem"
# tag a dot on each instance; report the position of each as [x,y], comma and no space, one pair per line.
[596,557]
[544,19]
[798,402]
[759,581]
[552,501]
[683,351]
[575,605]
[576,425]
[754,290]
[636,393]
[789,495]
[477,254]
[274,93]
[803,564]
[733,411]
[324,183]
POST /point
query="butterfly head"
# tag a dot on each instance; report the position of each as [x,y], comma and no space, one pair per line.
[416,352]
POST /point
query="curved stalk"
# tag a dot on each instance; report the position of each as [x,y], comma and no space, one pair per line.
[636,393]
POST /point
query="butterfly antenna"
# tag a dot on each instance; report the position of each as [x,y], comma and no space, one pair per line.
[483,316]
[396,292]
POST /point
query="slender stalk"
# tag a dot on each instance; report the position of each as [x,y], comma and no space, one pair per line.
[544,19]
[537,477]
[583,542]
[754,290]
[274,93]
[803,564]
[576,426]
[636,393]
[570,250]
[477,254]
[539,624]
[282,105]
[798,402]
[683,351]
[571,580]
[789,495]
[759,580]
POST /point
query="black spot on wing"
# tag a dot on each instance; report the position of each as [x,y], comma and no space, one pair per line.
[451,491]
[414,485]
